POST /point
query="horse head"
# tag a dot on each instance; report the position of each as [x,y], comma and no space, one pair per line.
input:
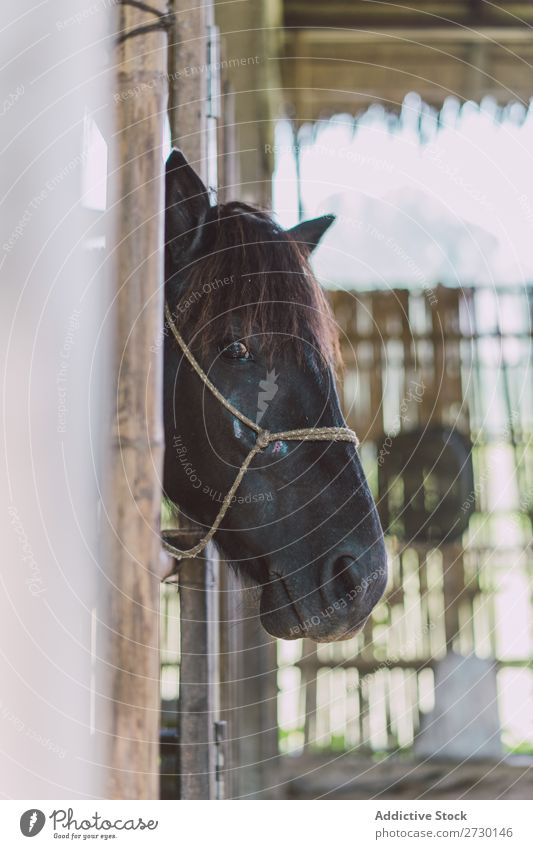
[302,524]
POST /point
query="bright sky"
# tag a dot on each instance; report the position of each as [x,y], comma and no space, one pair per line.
[451,203]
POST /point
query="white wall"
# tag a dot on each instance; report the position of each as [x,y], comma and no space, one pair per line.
[51,717]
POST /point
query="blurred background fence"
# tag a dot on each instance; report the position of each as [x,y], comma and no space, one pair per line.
[410,367]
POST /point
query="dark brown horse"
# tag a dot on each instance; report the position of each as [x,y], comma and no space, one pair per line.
[302,525]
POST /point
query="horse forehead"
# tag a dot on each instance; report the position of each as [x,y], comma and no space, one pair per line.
[258,223]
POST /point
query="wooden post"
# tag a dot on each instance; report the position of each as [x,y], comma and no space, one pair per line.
[189,91]
[193,119]
[257,722]
[198,702]
[134,491]
[251,35]
[230,644]
[309,687]
[193,129]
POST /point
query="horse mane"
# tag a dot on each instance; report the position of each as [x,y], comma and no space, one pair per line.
[244,267]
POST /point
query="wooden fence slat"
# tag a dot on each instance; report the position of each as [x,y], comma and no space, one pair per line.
[198,700]
[134,490]
[229,663]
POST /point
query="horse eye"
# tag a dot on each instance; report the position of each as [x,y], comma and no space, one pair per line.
[234,351]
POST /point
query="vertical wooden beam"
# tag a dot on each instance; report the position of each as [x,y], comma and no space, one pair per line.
[230,625]
[198,703]
[250,38]
[189,56]
[194,130]
[229,653]
[193,117]
[251,35]
[258,726]
[228,170]
[134,491]
[309,687]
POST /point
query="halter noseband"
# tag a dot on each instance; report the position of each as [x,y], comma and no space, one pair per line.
[263,439]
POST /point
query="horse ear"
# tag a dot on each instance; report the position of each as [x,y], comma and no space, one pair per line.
[310,232]
[186,200]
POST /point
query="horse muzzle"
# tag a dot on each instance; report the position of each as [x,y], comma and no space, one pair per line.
[325,603]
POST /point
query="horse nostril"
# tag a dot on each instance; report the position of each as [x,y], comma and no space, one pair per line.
[342,579]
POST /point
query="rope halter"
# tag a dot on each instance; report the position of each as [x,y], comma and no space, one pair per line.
[262,441]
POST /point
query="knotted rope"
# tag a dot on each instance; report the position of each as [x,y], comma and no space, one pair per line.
[263,439]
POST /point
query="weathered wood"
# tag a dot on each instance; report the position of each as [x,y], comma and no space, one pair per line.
[229,646]
[188,76]
[251,36]
[228,169]
[134,490]
[193,130]
[421,34]
[310,666]
[257,720]
[198,699]
[193,119]
[351,55]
